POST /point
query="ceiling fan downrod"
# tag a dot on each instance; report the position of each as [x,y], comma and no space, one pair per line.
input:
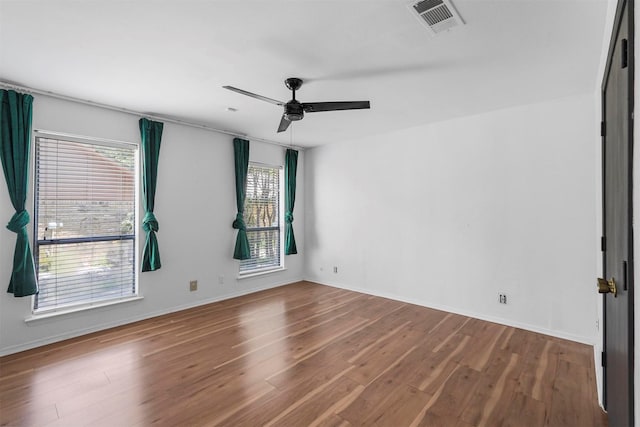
[293,110]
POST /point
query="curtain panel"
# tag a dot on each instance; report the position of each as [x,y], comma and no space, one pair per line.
[15,146]
[241,160]
[290,169]
[151,136]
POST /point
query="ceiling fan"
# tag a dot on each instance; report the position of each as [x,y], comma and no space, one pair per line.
[294,110]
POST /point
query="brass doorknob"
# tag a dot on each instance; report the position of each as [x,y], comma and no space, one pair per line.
[607,286]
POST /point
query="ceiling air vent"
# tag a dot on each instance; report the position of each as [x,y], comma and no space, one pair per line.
[436,15]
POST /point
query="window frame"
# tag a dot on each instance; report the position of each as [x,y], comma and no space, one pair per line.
[280,227]
[41,313]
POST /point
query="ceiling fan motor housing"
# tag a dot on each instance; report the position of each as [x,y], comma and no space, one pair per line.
[293,111]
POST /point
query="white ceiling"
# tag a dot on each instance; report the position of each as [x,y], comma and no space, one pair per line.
[171,58]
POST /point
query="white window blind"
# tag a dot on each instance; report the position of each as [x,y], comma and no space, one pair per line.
[262,218]
[85,199]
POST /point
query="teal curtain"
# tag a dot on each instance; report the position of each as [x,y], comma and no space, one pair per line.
[151,135]
[290,169]
[15,145]
[241,160]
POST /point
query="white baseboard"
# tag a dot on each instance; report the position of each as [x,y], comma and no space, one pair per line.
[456,310]
[108,325]
[84,331]
[599,386]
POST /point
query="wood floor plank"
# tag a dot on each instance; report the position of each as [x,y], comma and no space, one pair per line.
[456,393]
[429,376]
[313,407]
[333,421]
[525,411]
[281,401]
[567,402]
[402,407]
[306,370]
[491,410]
[382,358]
[433,420]
[385,387]
[439,333]
[303,355]
[482,346]
[29,414]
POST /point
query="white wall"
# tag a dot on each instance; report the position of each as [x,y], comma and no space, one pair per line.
[195,206]
[451,214]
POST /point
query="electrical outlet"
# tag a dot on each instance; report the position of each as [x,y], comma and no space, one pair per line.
[335,269]
[193,285]
[220,280]
[502,298]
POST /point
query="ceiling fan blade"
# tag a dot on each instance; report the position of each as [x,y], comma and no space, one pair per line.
[253,95]
[312,107]
[284,124]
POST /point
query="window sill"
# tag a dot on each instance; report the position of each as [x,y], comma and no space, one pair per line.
[260,273]
[49,314]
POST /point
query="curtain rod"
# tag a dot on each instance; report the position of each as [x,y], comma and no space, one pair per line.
[26,89]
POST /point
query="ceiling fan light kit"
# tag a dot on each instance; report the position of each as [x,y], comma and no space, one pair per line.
[294,110]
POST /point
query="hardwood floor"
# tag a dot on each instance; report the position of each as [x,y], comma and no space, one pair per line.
[304,355]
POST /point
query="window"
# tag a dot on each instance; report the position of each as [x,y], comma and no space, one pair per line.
[262,218]
[85,227]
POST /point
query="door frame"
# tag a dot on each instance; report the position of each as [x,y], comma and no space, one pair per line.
[630,276]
